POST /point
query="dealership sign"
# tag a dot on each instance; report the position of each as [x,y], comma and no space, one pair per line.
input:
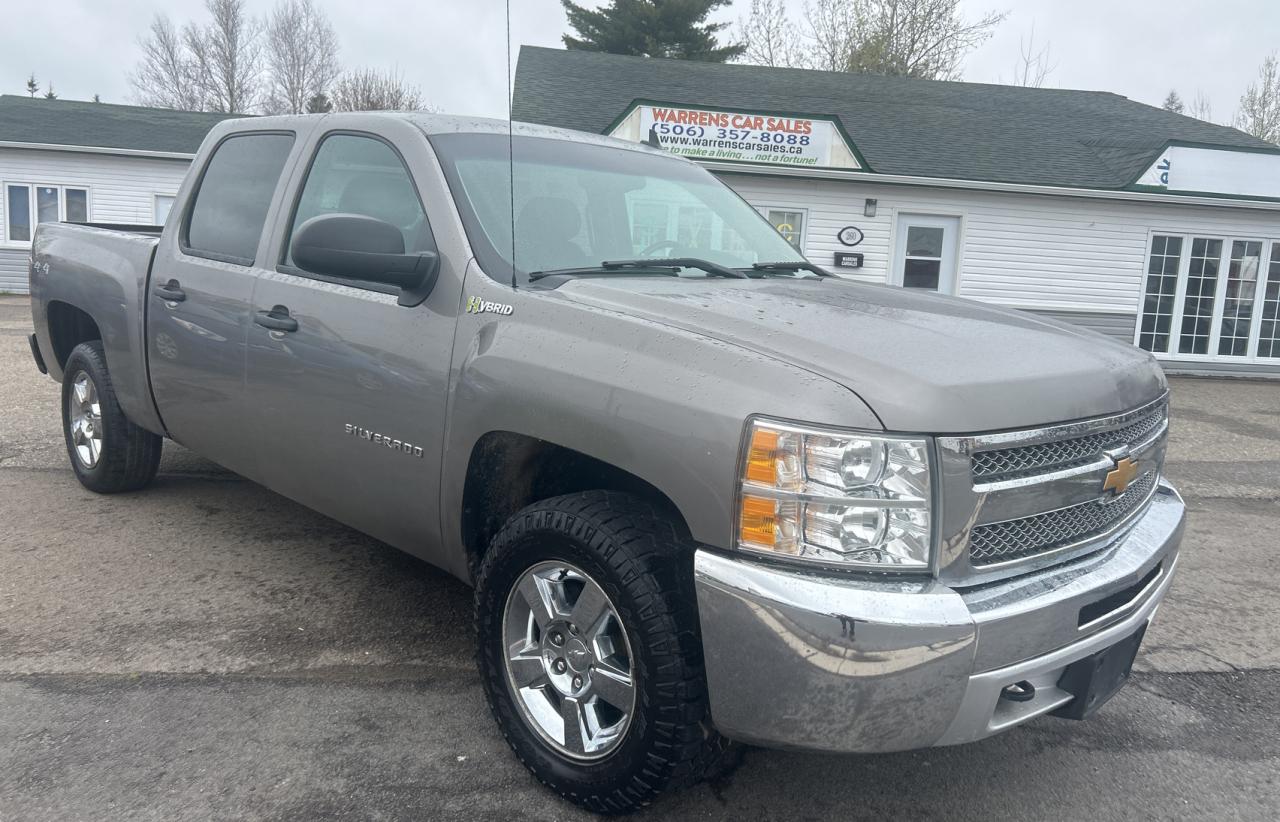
[1203,170]
[739,136]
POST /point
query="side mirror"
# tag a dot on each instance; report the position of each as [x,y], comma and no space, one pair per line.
[356,247]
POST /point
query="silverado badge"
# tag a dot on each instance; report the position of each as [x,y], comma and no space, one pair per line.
[1118,478]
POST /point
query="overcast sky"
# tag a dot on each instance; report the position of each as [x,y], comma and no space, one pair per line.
[454,49]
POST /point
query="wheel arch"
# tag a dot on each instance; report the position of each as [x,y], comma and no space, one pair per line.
[69,325]
[508,471]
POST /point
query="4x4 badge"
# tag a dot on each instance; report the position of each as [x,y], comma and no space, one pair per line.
[1118,478]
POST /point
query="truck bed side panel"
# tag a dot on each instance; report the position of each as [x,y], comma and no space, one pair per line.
[103,273]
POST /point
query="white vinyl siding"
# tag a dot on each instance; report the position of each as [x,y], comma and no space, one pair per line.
[121,189]
[1040,252]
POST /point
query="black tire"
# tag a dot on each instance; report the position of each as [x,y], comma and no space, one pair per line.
[129,456]
[644,564]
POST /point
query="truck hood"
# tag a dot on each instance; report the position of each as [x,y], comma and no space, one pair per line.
[922,362]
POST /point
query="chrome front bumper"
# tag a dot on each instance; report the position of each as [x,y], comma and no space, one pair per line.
[797,659]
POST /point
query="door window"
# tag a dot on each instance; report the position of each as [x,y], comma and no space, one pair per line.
[926,252]
[230,206]
[354,174]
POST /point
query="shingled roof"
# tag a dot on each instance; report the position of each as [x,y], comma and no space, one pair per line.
[929,128]
[102,125]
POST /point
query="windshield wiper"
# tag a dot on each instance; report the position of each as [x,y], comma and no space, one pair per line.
[668,266]
[801,265]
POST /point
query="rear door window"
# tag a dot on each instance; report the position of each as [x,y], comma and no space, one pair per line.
[230,207]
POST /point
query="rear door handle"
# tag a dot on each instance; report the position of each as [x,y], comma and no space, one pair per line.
[277,319]
[170,291]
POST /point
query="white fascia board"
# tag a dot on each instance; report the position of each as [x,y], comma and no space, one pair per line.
[1009,188]
[125,152]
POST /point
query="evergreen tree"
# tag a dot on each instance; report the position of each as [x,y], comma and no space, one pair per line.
[319,103]
[1173,103]
[650,28]
[33,87]
[50,95]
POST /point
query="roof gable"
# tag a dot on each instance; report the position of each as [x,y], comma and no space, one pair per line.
[969,131]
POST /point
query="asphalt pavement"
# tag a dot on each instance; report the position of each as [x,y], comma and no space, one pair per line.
[206,649]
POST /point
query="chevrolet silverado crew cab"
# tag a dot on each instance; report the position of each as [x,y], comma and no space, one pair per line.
[705,491]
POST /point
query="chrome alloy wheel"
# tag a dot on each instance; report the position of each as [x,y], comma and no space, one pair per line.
[568,660]
[86,420]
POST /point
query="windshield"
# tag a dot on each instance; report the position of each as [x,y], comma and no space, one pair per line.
[577,205]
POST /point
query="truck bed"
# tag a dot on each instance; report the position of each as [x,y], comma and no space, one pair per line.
[103,270]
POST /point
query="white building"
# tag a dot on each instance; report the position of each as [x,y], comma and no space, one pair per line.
[86,162]
[1151,227]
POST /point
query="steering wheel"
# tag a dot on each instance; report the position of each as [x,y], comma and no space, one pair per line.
[660,245]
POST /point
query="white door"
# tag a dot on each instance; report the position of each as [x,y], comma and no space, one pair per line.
[925,254]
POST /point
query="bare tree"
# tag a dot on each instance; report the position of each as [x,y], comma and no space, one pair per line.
[836,29]
[921,38]
[165,76]
[1034,65]
[372,90]
[1259,112]
[1201,108]
[771,39]
[301,56]
[226,56]
[1173,102]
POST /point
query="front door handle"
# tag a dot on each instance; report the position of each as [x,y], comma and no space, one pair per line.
[170,291]
[277,319]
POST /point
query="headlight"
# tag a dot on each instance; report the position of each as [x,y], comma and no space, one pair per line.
[837,497]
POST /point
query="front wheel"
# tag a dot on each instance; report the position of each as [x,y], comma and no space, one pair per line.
[589,650]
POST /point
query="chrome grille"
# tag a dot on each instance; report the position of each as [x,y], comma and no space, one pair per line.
[1026,537]
[1028,460]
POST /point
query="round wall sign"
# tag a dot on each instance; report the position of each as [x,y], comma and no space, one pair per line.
[850,235]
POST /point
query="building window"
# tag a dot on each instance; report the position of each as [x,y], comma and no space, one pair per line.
[29,204]
[790,224]
[1207,297]
[161,208]
[1161,293]
[1197,305]
[1269,325]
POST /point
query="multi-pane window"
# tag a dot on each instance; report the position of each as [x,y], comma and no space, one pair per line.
[1269,324]
[1197,306]
[1211,297]
[1161,292]
[28,204]
[1237,301]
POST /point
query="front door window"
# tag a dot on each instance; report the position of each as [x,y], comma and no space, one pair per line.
[926,252]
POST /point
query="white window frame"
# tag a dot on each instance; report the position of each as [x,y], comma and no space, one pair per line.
[31,205]
[804,225]
[893,274]
[1219,293]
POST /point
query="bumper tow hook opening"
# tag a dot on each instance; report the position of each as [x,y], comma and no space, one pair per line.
[1022,691]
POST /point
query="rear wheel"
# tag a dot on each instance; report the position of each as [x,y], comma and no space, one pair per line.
[108,453]
[589,649]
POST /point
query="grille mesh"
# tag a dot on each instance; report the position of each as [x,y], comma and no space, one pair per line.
[1026,537]
[1029,460]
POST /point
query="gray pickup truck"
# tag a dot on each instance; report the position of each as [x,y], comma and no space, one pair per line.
[705,491]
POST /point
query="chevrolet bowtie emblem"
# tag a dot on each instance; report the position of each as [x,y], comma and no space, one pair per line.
[1118,478]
